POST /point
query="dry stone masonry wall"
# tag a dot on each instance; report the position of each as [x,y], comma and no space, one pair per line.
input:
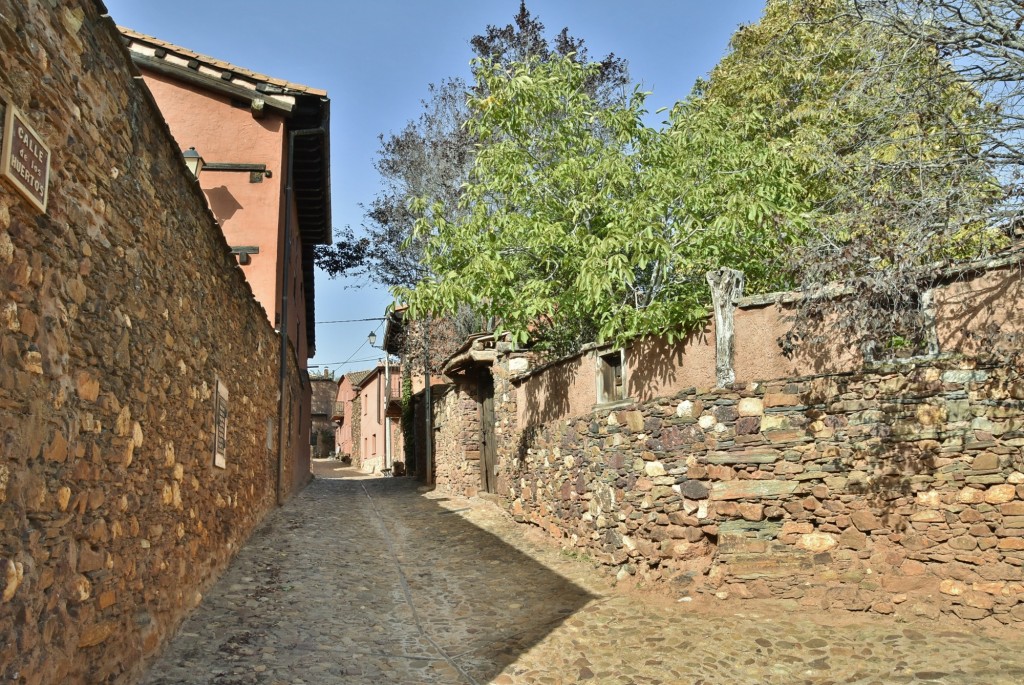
[120,310]
[457,424]
[896,490]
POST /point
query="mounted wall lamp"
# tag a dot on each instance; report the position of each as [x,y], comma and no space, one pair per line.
[193,160]
[372,339]
[195,163]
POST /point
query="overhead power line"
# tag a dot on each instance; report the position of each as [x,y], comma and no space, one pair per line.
[375,318]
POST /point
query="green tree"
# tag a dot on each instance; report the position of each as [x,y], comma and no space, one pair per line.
[430,158]
[432,155]
[550,229]
[863,149]
[981,39]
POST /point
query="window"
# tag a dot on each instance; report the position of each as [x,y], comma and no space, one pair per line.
[611,377]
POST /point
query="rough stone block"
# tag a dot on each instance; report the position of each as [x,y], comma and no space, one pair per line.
[865,521]
[971,496]
[752,489]
[816,542]
[851,538]
[1012,509]
[963,542]
[986,461]
[634,420]
[1000,494]
[751,511]
[781,400]
[750,406]
[693,489]
[745,457]
[964,376]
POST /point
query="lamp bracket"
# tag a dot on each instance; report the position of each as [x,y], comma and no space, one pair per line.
[244,253]
[256,171]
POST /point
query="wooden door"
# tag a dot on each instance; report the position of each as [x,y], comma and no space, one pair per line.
[488,454]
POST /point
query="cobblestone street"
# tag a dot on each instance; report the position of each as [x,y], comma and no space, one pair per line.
[371,581]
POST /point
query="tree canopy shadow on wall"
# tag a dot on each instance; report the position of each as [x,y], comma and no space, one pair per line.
[663,364]
[660,365]
[367,580]
[548,396]
[983,318]
[893,463]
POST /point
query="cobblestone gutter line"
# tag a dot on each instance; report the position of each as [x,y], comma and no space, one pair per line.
[400,572]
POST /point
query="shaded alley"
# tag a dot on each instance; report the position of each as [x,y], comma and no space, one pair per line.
[369,581]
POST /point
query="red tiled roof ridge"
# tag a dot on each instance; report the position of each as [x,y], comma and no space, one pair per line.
[219,63]
[357,377]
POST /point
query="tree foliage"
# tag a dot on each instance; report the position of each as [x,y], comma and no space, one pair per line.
[822,147]
[983,42]
[887,135]
[431,156]
[542,232]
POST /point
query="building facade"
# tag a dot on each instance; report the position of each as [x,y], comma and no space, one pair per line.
[380,413]
[141,382]
[264,146]
[321,436]
[346,416]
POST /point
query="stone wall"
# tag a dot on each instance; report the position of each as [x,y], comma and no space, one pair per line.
[113,518]
[457,452]
[895,490]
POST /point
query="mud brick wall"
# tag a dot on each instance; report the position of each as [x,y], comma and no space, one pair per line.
[120,308]
[899,490]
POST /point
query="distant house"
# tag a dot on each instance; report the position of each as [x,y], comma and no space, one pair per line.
[346,415]
[321,437]
[380,411]
[264,144]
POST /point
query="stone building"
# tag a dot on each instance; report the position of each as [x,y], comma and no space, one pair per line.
[321,437]
[142,437]
[252,132]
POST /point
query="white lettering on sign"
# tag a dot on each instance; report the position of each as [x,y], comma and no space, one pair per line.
[25,159]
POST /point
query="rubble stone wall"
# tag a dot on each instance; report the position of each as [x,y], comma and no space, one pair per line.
[121,308]
[895,490]
[457,446]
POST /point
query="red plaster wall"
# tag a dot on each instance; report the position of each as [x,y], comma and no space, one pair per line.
[374,425]
[655,368]
[977,314]
[343,433]
[249,213]
[568,388]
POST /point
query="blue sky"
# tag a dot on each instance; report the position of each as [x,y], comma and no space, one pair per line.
[376,58]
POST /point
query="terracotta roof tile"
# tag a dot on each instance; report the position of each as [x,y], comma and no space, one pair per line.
[357,377]
[291,86]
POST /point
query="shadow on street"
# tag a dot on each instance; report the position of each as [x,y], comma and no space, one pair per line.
[369,581]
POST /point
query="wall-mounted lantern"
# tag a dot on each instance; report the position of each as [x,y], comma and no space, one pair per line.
[193,160]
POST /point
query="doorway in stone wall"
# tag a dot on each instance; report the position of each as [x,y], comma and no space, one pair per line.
[488,453]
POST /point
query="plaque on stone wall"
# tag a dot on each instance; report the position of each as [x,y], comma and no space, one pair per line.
[220,435]
[24,158]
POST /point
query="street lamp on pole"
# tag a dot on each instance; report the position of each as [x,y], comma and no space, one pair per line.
[372,340]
